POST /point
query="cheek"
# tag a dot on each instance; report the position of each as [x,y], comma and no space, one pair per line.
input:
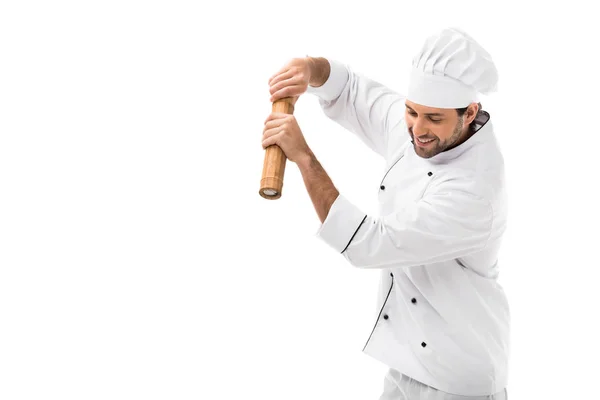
[409,121]
[443,131]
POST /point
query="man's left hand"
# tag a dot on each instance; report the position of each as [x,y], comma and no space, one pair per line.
[282,129]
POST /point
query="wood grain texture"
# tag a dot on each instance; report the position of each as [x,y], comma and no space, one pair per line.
[271,184]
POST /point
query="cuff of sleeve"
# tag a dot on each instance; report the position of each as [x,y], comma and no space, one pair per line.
[341,224]
[333,86]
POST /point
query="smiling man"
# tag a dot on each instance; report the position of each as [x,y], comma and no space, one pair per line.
[443,320]
[437,129]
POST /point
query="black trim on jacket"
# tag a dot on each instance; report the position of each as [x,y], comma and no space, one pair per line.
[361,222]
[380,311]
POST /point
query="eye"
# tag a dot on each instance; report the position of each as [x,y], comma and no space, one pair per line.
[435,121]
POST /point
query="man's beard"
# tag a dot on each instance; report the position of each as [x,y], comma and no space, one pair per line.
[438,146]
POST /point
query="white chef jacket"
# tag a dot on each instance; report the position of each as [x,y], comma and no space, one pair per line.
[442,319]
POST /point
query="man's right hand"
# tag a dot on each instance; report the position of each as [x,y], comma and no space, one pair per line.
[291,80]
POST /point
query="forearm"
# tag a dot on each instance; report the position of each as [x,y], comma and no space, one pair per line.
[319,186]
[319,70]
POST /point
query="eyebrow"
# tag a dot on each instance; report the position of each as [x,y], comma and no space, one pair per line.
[431,114]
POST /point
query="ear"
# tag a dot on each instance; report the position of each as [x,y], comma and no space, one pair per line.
[471,113]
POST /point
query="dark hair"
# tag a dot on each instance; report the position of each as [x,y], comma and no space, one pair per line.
[462,111]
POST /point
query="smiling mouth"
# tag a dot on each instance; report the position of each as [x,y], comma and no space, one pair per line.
[423,142]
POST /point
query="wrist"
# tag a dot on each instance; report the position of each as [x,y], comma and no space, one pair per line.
[318,69]
[305,160]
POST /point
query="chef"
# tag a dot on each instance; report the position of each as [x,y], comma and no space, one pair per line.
[443,322]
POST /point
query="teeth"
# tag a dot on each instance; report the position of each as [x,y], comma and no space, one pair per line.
[424,141]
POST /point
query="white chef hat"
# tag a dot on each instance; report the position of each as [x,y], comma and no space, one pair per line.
[450,70]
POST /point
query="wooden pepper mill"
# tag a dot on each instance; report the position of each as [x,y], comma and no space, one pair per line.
[271,183]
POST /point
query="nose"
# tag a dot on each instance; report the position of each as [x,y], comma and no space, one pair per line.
[419,128]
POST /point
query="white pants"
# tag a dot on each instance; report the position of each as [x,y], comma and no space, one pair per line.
[397,386]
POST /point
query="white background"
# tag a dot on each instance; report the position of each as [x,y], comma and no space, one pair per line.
[137,260]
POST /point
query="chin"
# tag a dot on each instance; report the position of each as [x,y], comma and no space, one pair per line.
[424,154]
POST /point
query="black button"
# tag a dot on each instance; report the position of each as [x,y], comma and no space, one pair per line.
[385,317]
[414,300]
[391,274]
[423,344]
[430,173]
[382,187]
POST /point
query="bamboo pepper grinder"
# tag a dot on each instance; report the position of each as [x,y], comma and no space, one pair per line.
[271,183]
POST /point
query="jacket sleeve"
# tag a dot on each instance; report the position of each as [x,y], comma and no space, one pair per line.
[363,106]
[442,226]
